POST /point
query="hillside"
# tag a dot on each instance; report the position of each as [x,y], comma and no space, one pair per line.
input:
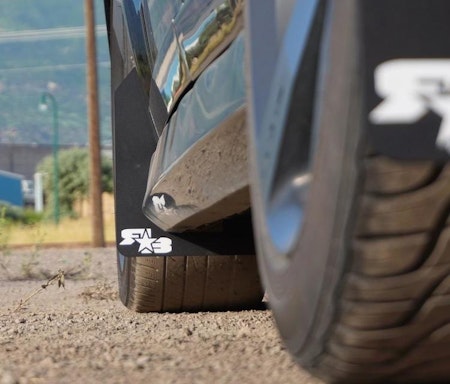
[31,63]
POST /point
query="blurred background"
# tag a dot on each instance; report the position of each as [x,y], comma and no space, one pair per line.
[42,48]
[43,86]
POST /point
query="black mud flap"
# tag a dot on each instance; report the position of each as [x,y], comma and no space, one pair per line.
[135,141]
[406,59]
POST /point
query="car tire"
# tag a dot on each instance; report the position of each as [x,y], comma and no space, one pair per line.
[363,293]
[189,283]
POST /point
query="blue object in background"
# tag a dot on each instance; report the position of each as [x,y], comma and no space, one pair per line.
[11,188]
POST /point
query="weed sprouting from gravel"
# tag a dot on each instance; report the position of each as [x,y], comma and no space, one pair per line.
[59,278]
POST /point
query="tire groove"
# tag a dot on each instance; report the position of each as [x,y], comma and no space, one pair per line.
[433,176]
[164,284]
[414,212]
[183,295]
[372,373]
[434,236]
[205,281]
[388,235]
[232,283]
[414,314]
[427,295]
[401,355]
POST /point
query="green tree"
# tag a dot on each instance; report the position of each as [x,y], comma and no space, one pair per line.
[73,178]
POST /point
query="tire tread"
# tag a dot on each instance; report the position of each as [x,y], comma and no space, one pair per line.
[192,283]
[393,317]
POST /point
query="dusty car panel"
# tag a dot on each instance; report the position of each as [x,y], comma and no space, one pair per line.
[199,112]
[216,104]
[205,28]
[174,41]
[169,69]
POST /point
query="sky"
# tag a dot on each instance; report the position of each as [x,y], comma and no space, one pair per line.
[42,49]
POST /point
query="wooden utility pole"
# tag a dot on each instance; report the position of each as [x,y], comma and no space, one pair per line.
[95,185]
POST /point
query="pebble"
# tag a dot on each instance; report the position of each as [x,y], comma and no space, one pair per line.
[6,377]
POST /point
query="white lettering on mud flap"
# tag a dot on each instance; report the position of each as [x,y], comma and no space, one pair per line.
[147,243]
[410,89]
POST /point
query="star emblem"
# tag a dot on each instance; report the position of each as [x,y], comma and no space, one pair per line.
[146,242]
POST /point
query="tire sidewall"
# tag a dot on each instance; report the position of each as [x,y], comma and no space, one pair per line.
[303,287]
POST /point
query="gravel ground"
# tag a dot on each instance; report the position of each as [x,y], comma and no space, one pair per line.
[83,334]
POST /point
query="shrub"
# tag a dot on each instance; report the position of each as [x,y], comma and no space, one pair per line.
[10,214]
[73,178]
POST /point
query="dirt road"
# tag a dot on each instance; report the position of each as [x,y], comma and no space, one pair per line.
[83,334]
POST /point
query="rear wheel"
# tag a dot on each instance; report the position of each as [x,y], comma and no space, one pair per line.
[189,283]
[352,246]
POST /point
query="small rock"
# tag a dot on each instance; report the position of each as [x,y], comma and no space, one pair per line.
[6,377]
[142,361]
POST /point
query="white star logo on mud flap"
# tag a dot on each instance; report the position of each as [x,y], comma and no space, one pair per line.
[147,243]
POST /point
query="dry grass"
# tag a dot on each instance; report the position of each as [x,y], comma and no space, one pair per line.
[58,278]
[68,231]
